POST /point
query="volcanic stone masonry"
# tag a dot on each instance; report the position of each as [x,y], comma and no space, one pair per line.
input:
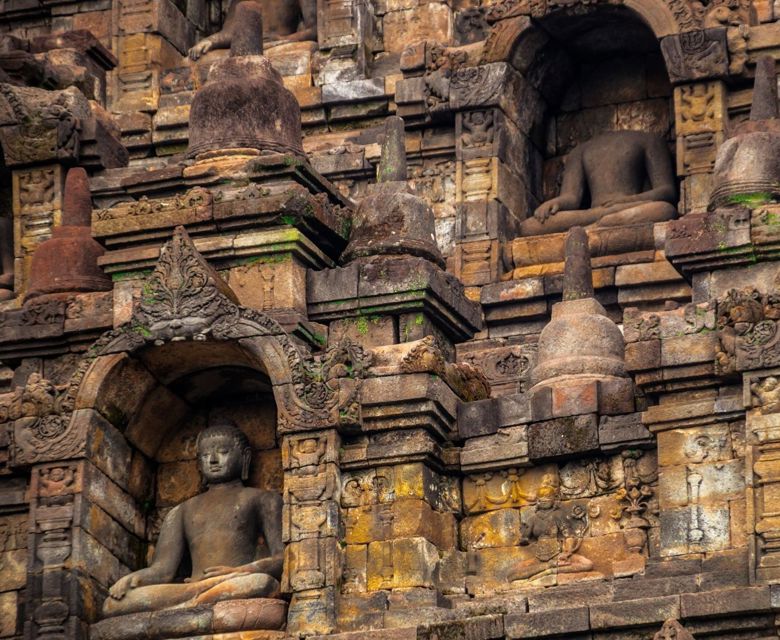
[389,320]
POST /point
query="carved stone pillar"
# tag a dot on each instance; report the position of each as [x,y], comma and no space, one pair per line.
[495,177]
[763,476]
[313,556]
[55,490]
[700,120]
[343,28]
[37,208]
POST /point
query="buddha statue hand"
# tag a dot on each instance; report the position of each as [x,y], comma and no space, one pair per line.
[203,47]
[547,209]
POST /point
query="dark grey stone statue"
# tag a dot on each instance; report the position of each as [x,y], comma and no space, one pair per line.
[283,20]
[220,529]
[625,175]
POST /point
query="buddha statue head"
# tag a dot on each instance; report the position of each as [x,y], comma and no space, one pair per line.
[224,453]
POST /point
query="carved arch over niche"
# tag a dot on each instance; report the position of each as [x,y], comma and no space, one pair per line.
[187,320]
[694,38]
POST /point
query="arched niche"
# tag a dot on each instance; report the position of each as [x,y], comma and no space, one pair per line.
[158,399]
[574,73]
[143,392]
[596,72]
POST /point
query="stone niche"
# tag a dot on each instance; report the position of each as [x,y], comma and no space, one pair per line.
[177,390]
[599,73]
[584,75]
[240,395]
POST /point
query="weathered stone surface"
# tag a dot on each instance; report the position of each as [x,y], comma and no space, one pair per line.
[562,437]
[634,612]
[547,623]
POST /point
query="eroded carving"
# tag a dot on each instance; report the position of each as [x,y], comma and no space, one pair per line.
[555,534]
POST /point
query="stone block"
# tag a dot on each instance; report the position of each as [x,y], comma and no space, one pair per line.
[694,528]
[406,562]
[508,446]
[477,418]
[313,563]
[358,90]
[93,558]
[574,397]
[369,331]
[354,575]
[403,518]
[696,55]
[122,544]
[486,627]
[13,569]
[643,587]
[547,623]
[9,610]
[634,613]
[361,612]
[176,482]
[710,443]
[616,396]
[107,448]
[615,430]
[156,16]
[583,594]
[643,356]
[312,612]
[725,601]
[715,483]
[618,80]
[100,490]
[690,349]
[562,437]
[499,528]
[272,284]
[430,21]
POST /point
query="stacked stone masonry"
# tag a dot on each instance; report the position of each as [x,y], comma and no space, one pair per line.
[389,319]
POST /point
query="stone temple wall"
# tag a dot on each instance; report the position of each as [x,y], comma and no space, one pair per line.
[464,419]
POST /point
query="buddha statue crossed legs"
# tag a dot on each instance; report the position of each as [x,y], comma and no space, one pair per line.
[220,528]
[628,176]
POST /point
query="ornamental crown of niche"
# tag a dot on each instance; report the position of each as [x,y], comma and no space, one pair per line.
[688,16]
[186,299]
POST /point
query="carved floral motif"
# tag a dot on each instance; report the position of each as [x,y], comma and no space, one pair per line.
[747,330]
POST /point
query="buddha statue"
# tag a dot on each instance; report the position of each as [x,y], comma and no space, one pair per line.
[283,21]
[219,528]
[556,537]
[625,176]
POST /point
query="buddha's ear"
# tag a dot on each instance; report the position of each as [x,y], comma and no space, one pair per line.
[246,459]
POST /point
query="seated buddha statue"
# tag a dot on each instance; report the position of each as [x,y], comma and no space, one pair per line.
[283,21]
[625,176]
[219,528]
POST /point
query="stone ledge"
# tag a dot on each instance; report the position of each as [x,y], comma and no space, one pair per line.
[547,623]
[725,602]
[634,613]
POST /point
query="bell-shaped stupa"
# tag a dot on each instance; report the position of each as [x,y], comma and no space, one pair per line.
[391,219]
[67,262]
[747,167]
[244,108]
